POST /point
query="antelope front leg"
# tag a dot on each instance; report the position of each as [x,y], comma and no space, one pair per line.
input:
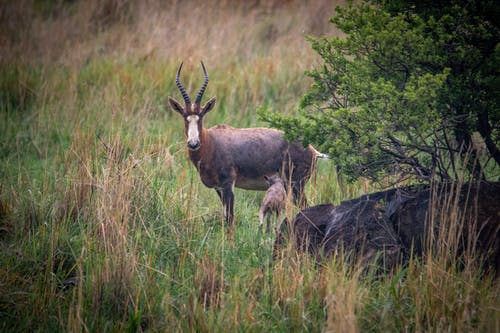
[227,197]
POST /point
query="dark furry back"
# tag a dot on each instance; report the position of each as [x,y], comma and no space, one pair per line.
[388,225]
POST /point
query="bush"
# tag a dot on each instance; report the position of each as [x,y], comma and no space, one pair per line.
[409,91]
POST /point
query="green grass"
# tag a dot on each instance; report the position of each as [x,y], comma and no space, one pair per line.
[105,225]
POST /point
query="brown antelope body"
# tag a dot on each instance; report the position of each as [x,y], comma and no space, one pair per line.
[226,157]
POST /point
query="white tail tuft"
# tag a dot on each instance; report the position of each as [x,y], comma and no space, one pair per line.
[318,154]
[324,156]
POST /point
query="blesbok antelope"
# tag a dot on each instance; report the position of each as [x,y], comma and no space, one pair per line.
[274,201]
[226,157]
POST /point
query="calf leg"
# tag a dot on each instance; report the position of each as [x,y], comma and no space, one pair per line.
[261,216]
[268,222]
[278,221]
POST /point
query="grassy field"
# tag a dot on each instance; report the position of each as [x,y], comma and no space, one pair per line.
[104,223]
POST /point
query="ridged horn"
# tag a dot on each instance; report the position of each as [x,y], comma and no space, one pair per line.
[187,100]
[204,86]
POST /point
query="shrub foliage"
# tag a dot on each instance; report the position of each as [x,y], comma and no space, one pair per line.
[409,90]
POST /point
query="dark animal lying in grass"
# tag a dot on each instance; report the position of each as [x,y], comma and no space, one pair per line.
[386,227]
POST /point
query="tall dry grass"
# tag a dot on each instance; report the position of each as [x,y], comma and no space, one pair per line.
[221,33]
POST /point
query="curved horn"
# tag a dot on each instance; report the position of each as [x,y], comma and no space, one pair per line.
[204,86]
[181,88]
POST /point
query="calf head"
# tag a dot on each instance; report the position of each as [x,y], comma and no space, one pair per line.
[274,179]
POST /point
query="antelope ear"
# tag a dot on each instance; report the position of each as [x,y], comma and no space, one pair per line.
[176,106]
[208,106]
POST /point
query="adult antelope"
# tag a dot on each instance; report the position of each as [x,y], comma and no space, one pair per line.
[226,157]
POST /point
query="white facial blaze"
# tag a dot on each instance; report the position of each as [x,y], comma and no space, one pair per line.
[193,133]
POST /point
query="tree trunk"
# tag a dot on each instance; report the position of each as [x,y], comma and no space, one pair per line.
[484,128]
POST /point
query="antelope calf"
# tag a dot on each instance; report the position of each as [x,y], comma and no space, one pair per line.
[274,201]
[226,157]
